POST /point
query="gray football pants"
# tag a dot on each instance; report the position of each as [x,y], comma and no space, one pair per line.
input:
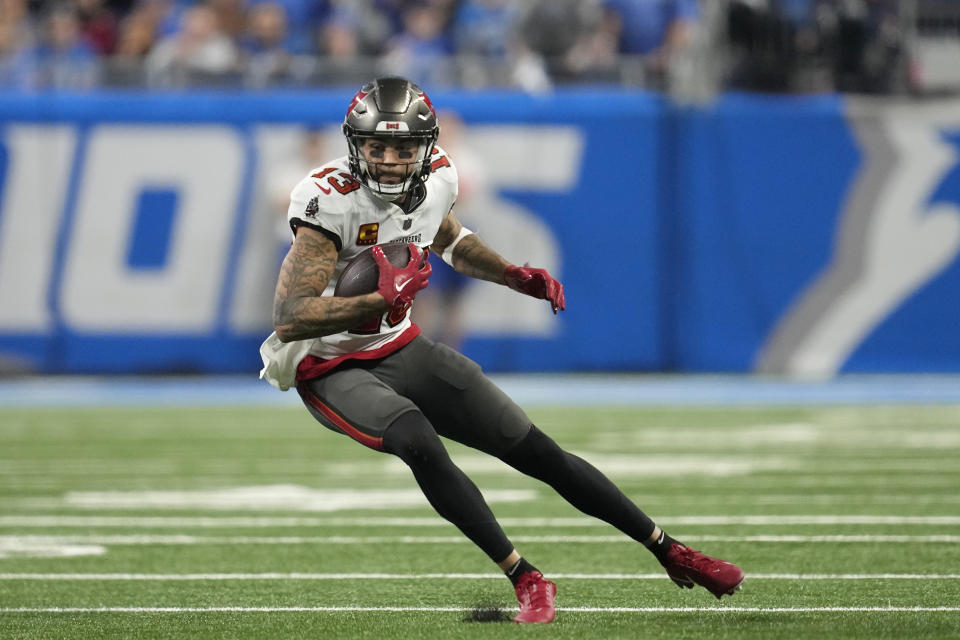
[362,398]
[432,381]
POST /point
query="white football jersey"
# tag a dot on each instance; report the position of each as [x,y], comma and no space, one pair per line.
[331,201]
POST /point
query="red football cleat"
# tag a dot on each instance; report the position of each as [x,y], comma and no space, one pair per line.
[536,595]
[687,567]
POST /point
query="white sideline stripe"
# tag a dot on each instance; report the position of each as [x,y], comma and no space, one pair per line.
[806,500]
[164,577]
[889,609]
[242,521]
[6,541]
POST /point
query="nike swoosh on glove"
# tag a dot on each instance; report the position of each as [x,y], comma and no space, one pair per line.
[399,285]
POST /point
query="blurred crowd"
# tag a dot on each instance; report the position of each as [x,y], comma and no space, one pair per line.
[814,45]
[77,44]
[768,45]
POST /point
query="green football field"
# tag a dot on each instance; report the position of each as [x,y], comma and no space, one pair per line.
[255,522]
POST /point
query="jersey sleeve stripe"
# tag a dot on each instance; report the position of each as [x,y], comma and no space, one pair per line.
[334,238]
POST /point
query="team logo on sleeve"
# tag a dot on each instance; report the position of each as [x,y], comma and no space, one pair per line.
[368,233]
[312,208]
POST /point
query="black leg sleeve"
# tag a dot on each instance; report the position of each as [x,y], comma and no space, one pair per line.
[454,496]
[579,483]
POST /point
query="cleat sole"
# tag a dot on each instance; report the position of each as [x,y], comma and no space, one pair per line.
[730,592]
[683,583]
[688,567]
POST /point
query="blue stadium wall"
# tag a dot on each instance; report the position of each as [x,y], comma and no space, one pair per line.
[783,235]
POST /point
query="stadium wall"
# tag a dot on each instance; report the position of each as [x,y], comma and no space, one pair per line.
[800,235]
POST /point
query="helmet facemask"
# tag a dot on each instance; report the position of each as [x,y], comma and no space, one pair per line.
[397,113]
[409,162]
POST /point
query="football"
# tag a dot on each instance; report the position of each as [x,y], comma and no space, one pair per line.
[361,274]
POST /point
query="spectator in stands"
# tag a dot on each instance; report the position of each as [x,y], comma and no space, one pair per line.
[125,68]
[302,18]
[342,61]
[167,15]
[231,17]
[869,45]
[561,33]
[198,54]
[816,45]
[391,11]
[487,36]
[63,60]
[485,27]
[656,30]
[267,60]
[421,50]
[372,27]
[98,24]
[763,42]
[121,8]
[17,40]
[17,14]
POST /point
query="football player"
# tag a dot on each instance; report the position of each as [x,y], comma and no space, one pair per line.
[363,369]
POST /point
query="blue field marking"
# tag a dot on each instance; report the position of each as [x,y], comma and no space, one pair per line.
[565,390]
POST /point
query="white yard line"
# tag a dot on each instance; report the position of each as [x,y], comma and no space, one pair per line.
[298,521]
[186,577]
[627,464]
[888,609]
[11,503]
[20,540]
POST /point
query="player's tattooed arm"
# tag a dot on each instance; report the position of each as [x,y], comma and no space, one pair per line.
[471,256]
[298,310]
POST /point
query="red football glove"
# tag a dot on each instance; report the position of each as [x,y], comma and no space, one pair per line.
[399,285]
[537,283]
